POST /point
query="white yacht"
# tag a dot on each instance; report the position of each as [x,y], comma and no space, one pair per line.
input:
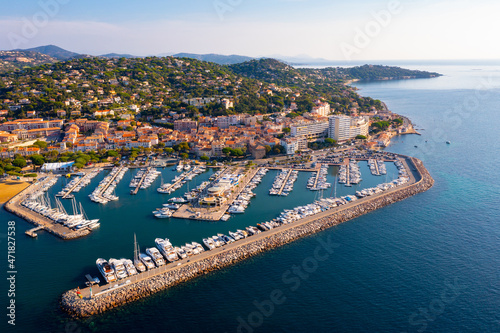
[235,209]
[147,261]
[209,243]
[163,245]
[119,268]
[106,270]
[156,256]
[198,246]
[180,252]
[129,266]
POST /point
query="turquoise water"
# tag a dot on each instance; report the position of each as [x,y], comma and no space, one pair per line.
[428,264]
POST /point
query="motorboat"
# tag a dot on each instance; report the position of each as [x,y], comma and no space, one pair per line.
[129,266]
[156,256]
[147,261]
[119,268]
[106,270]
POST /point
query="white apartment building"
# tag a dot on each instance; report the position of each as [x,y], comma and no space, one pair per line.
[344,127]
[322,109]
[293,145]
[310,130]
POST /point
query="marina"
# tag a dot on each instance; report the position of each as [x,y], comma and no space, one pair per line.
[180,180]
[224,189]
[143,179]
[25,205]
[104,192]
[323,215]
[77,183]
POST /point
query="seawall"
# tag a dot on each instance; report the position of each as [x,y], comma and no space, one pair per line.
[240,250]
[14,206]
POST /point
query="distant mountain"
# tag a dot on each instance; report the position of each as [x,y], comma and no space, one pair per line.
[216,58]
[117,55]
[54,52]
[14,60]
[301,59]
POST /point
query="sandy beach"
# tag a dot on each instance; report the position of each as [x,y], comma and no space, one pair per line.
[9,188]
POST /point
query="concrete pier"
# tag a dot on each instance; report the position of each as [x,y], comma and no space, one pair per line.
[136,189]
[14,206]
[284,182]
[128,290]
[187,211]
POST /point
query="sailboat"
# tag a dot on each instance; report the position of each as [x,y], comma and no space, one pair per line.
[137,262]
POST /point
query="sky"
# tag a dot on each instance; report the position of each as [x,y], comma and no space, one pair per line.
[329,29]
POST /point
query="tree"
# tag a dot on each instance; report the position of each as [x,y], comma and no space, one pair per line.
[286,130]
[184,156]
[19,162]
[361,137]
[183,146]
[40,144]
[168,150]
[329,141]
[37,159]
[268,149]
[204,158]
[226,151]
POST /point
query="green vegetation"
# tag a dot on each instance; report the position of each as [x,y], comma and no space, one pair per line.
[327,143]
[380,126]
[256,86]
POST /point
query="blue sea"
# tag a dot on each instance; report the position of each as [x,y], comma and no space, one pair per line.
[430,263]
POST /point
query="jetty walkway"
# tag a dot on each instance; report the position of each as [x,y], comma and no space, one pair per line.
[284,181]
[65,195]
[317,176]
[136,189]
[14,206]
[128,290]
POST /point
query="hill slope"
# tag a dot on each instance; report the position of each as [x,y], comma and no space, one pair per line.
[14,60]
[216,58]
[54,52]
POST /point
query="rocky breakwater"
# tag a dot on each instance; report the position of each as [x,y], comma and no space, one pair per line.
[86,307]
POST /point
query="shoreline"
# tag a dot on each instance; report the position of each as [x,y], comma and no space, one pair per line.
[170,275]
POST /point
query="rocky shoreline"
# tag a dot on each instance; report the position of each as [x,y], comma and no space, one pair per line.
[85,307]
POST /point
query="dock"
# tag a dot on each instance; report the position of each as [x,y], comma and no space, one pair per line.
[14,206]
[317,177]
[284,182]
[72,188]
[32,232]
[376,168]
[136,189]
[176,183]
[110,181]
[187,211]
[347,168]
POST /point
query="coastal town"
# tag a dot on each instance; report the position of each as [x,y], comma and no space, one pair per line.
[123,128]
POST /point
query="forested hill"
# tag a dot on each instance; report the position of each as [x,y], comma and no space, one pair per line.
[159,86]
[378,72]
[274,71]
